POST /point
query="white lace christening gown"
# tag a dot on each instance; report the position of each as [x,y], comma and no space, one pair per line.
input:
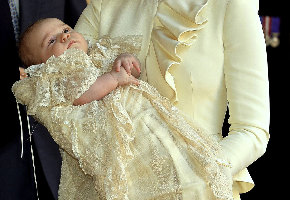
[133,144]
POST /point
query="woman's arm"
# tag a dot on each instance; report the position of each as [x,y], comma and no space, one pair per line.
[246,76]
[88,23]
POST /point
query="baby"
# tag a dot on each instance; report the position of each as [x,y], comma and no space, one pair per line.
[48,37]
[120,138]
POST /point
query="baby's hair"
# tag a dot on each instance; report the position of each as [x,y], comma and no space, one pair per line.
[23,46]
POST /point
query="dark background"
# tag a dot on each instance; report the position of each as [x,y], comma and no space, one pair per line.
[269,171]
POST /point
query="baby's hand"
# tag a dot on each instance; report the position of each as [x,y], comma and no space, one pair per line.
[129,62]
[123,78]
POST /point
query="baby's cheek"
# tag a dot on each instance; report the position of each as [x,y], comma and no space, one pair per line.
[58,51]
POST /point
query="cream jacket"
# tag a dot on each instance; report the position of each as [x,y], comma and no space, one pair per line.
[204,55]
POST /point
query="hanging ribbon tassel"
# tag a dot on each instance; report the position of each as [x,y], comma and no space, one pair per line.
[20,121]
[32,156]
[31,149]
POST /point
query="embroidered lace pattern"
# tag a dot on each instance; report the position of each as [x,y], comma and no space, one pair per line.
[132,144]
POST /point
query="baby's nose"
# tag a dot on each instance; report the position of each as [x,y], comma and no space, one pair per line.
[64,37]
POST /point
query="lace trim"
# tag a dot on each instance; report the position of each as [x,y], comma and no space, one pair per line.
[205,148]
[46,81]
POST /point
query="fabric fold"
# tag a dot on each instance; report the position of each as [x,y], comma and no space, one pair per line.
[179,23]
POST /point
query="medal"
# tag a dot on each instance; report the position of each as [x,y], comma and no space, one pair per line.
[275,41]
[271,28]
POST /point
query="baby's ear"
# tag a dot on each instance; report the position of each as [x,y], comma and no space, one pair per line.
[22,73]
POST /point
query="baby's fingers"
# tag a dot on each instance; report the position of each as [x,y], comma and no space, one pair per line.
[136,65]
[133,80]
[117,65]
[127,66]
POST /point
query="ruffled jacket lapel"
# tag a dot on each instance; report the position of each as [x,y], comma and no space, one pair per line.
[177,27]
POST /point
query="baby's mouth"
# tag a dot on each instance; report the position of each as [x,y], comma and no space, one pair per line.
[70,43]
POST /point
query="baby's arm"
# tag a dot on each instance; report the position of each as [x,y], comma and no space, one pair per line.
[106,84]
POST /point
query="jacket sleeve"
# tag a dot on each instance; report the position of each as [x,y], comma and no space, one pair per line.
[88,23]
[246,76]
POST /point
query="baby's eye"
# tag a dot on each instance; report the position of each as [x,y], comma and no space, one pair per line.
[51,41]
[66,30]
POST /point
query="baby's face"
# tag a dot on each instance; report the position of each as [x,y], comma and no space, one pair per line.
[53,37]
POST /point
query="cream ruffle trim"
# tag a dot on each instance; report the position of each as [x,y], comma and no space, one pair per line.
[180,23]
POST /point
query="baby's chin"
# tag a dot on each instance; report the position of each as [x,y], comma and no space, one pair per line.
[78,45]
[79,48]
[68,52]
